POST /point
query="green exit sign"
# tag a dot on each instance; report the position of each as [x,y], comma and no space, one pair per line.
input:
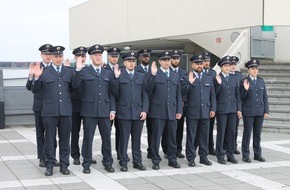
[267,28]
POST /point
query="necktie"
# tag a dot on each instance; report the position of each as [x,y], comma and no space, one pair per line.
[145,69]
[254,81]
[98,72]
[175,70]
[58,69]
[227,78]
[113,68]
[199,76]
[131,75]
[167,74]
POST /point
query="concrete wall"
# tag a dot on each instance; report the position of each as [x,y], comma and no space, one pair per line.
[114,21]
[282,44]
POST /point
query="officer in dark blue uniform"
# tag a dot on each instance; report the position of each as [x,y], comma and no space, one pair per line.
[98,106]
[255,108]
[132,107]
[55,83]
[238,74]
[113,57]
[175,62]
[37,105]
[199,95]
[165,107]
[80,54]
[228,108]
[207,70]
[144,67]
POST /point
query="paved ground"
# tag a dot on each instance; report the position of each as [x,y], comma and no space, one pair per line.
[19,168]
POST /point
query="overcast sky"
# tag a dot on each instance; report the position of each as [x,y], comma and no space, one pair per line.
[26,25]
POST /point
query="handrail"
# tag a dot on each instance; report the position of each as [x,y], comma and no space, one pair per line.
[239,48]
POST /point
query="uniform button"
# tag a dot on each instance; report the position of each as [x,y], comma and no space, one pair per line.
[100,86]
[257,99]
[229,91]
[256,89]
[100,101]
[202,104]
[201,90]
[100,93]
[60,93]
[60,100]
[133,97]
[228,86]
[59,85]
[229,97]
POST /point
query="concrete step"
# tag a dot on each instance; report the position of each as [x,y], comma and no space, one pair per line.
[275,76]
[275,65]
[279,97]
[278,120]
[278,90]
[278,112]
[274,70]
[279,105]
[277,83]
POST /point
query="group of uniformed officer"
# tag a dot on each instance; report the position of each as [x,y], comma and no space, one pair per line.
[103,95]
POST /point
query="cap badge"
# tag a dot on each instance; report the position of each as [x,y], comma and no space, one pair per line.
[97,47]
[254,61]
[132,53]
[81,48]
[47,46]
[166,53]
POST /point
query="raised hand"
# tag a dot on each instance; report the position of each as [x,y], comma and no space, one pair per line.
[37,70]
[218,78]
[246,84]
[117,71]
[79,64]
[31,70]
[67,62]
[153,68]
[191,77]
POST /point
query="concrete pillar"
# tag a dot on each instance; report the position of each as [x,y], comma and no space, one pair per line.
[2,114]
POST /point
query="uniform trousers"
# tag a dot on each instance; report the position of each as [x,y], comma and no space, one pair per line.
[254,123]
[159,126]
[75,134]
[127,128]
[197,135]
[51,124]
[89,127]
[225,129]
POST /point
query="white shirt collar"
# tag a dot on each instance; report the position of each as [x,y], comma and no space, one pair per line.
[167,70]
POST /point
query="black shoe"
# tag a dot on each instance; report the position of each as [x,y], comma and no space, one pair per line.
[93,161]
[139,166]
[205,161]
[259,158]
[174,164]
[248,160]
[155,167]
[124,168]
[41,163]
[149,155]
[76,161]
[48,172]
[86,170]
[64,171]
[212,152]
[236,151]
[232,160]
[180,155]
[191,163]
[109,169]
[56,163]
[165,156]
[221,161]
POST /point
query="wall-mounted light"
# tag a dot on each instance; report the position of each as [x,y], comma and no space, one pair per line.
[126,48]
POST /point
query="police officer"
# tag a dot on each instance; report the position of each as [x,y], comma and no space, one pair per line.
[144,67]
[238,74]
[228,108]
[255,109]
[199,95]
[55,83]
[113,58]
[207,70]
[175,62]
[165,107]
[37,104]
[98,106]
[79,53]
[132,107]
